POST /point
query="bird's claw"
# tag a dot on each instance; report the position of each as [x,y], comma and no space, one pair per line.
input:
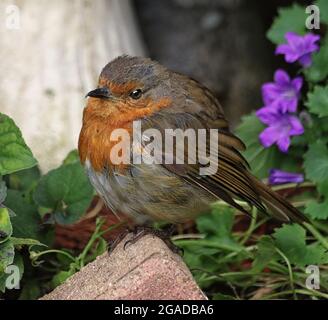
[164,235]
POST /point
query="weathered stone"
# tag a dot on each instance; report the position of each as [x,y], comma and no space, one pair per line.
[145,270]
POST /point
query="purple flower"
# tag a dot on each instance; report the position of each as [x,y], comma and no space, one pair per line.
[283,93]
[280,177]
[281,126]
[299,48]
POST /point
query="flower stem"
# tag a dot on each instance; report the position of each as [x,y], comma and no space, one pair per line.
[293,185]
[38,255]
[251,228]
[298,291]
[316,234]
[290,271]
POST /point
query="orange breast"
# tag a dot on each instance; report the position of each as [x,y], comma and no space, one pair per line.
[100,119]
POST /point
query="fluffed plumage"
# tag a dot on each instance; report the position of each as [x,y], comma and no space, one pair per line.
[169,192]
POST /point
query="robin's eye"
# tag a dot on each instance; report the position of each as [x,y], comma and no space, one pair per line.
[136,94]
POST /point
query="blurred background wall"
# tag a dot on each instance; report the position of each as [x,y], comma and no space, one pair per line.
[53,58]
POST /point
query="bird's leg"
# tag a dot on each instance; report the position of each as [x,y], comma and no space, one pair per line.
[164,235]
[113,243]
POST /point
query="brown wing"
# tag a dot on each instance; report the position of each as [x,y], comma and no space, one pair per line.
[232,179]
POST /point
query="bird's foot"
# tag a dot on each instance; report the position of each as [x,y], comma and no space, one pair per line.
[113,243]
[164,235]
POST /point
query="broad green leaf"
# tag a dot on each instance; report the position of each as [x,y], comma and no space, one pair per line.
[290,239]
[67,191]
[323,7]
[204,254]
[26,222]
[317,210]
[265,254]
[61,277]
[24,180]
[315,129]
[196,254]
[14,153]
[318,101]
[72,157]
[7,253]
[260,159]
[322,124]
[218,223]
[3,191]
[316,253]
[199,258]
[323,188]
[316,162]
[6,228]
[318,70]
[217,226]
[289,19]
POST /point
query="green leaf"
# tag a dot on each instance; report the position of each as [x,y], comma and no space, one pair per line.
[316,162]
[217,226]
[7,254]
[290,239]
[67,191]
[265,254]
[100,248]
[218,223]
[316,253]
[14,153]
[72,157]
[24,180]
[6,228]
[3,191]
[323,6]
[221,296]
[204,255]
[318,70]
[26,223]
[25,242]
[289,19]
[61,277]
[261,159]
[317,210]
[323,188]
[318,101]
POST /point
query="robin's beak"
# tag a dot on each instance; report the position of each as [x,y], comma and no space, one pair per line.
[101,93]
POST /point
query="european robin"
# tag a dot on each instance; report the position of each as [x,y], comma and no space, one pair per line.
[139,89]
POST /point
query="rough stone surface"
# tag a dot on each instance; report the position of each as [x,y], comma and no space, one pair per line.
[145,270]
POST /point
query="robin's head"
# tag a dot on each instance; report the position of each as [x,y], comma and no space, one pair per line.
[130,84]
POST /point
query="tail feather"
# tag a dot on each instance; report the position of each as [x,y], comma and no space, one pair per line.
[277,205]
